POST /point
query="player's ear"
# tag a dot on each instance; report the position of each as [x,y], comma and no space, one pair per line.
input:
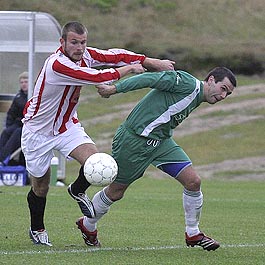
[62,41]
[211,79]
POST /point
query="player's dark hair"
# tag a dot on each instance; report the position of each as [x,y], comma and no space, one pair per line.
[73,26]
[219,73]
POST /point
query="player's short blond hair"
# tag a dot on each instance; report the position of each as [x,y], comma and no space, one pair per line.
[23,75]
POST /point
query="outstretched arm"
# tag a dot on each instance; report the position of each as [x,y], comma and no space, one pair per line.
[157,80]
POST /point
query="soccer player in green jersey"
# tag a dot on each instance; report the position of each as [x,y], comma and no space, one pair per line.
[146,138]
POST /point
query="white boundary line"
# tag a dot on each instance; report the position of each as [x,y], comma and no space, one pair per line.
[128,249]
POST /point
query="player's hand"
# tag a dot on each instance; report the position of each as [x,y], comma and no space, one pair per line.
[156,65]
[137,69]
[165,65]
[105,91]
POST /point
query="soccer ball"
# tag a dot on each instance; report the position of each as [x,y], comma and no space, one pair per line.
[100,169]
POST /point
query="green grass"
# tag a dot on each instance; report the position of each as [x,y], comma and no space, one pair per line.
[228,142]
[146,227]
[233,173]
[241,98]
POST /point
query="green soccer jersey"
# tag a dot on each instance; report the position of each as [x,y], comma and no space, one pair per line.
[173,96]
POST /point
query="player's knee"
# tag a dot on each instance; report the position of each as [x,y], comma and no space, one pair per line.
[116,196]
[194,184]
[116,191]
[41,191]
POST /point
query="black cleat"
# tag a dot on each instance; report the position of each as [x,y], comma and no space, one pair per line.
[84,203]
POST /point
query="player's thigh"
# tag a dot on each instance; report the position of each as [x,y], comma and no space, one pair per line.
[76,143]
[37,151]
[171,158]
[132,155]
[83,151]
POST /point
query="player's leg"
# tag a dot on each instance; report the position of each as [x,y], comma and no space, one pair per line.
[132,156]
[174,161]
[192,204]
[78,188]
[102,202]
[75,143]
[192,195]
[37,150]
[81,153]
[37,202]
[192,199]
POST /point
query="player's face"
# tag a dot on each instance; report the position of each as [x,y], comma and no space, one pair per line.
[217,91]
[74,46]
[23,83]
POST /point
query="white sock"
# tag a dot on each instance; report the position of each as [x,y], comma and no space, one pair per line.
[192,204]
[101,205]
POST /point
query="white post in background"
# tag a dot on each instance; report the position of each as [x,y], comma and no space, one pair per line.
[31,53]
[61,168]
[54,170]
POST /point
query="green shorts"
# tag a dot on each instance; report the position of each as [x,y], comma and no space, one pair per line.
[135,153]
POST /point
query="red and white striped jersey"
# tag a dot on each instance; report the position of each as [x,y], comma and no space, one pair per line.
[52,108]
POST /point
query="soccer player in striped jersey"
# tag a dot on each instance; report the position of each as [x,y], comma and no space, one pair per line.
[145,138]
[50,116]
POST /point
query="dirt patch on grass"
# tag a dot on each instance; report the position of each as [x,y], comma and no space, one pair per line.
[239,169]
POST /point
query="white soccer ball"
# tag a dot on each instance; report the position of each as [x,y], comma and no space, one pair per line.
[100,169]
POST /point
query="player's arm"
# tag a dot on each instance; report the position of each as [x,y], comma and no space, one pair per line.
[107,90]
[157,80]
[130,69]
[156,65]
[113,57]
[121,57]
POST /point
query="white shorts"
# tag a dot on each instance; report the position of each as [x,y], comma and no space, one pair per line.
[38,148]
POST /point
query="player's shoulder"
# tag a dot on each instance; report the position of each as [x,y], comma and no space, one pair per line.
[185,74]
[18,95]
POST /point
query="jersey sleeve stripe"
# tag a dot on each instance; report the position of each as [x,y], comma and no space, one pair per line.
[95,76]
[116,56]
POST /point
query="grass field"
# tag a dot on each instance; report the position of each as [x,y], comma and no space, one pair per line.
[144,228]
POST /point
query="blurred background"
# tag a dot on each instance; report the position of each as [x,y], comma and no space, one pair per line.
[198,35]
